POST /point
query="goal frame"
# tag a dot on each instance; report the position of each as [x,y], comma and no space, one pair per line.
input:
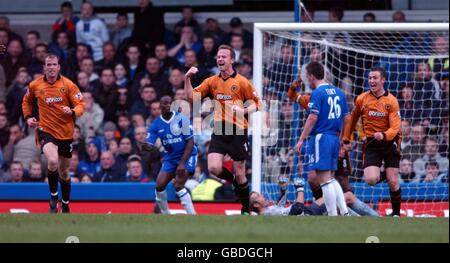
[258,39]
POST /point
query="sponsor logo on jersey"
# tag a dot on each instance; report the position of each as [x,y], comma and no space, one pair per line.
[53,100]
[224,97]
[377,114]
[172,140]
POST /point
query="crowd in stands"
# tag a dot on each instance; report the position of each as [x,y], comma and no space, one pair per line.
[124,71]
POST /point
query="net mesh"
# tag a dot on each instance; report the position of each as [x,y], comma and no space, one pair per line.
[416,64]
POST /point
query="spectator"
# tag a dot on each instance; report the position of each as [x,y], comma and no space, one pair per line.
[2,83]
[66,22]
[62,46]
[369,18]
[78,143]
[4,176]
[86,179]
[439,65]
[148,26]
[415,150]
[114,148]
[137,119]
[84,84]
[37,62]
[16,172]
[32,39]
[237,27]
[110,133]
[187,20]
[121,30]
[191,61]
[282,71]
[307,15]
[406,172]
[92,118]
[123,101]
[106,94]
[431,153]
[152,74]
[408,108]
[207,55]
[15,135]
[124,125]
[167,63]
[72,66]
[87,66]
[148,95]
[14,60]
[176,80]
[180,94]
[4,130]
[237,43]
[25,149]
[245,69]
[15,95]
[187,41]
[120,73]
[426,91]
[91,163]
[406,134]
[74,167]
[109,57]
[125,150]
[432,173]
[155,111]
[335,15]
[35,173]
[135,173]
[444,142]
[152,158]
[132,62]
[91,30]
[4,24]
[107,173]
[213,30]
[398,17]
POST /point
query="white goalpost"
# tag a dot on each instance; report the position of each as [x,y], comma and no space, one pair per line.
[415,57]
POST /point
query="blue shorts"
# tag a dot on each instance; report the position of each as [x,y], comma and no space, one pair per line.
[170,166]
[322,152]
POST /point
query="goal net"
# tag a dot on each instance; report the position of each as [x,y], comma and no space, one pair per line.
[415,57]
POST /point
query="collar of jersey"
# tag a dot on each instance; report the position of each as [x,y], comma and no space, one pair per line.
[57,78]
[386,93]
[171,118]
[231,76]
[323,84]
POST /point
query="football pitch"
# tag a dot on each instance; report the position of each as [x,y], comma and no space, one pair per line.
[203,228]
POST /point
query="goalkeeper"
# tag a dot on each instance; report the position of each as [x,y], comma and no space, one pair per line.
[262,206]
[344,168]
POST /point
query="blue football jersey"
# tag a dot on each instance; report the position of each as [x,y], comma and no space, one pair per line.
[173,134]
[329,103]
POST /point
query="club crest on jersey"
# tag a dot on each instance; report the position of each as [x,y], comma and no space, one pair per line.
[62,90]
[387,106]
[234,88]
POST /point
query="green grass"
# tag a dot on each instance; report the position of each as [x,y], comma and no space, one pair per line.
[202,228]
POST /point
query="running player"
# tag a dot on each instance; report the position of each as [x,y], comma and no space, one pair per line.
[59,102]
[380,113]
[230,92]
[180,157]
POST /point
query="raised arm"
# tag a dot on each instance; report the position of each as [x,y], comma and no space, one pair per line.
[187,82]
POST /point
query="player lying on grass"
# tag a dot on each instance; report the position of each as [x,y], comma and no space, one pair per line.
[180,157]
[344,168]
[262,206]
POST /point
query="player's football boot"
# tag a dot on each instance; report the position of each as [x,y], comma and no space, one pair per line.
[53,205]
[65,209]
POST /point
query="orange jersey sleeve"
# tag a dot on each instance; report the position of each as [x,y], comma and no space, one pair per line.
[202,90]
[354,117]
[251,95]
[27,102]
[394,119]
[304,101]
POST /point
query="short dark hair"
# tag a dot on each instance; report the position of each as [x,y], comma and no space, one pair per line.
[381,70]
[432,162]
[34,32]
[370,14]
[122,13]
[338,11]
[66,4]
[227,47]
[316,69]
[51,55]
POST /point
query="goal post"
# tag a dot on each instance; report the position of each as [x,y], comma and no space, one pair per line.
[347,51]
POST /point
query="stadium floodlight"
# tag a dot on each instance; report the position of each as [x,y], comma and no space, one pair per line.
[414,55]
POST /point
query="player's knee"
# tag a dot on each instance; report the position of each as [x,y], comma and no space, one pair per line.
[160,187]
[372,180]
[52,163]
[215,170]
[64,175]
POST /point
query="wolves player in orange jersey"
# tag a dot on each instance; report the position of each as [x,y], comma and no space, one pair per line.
[344,168]
[59,102]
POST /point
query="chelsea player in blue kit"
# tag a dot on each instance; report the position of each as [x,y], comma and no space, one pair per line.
[328,115]
[180,157]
